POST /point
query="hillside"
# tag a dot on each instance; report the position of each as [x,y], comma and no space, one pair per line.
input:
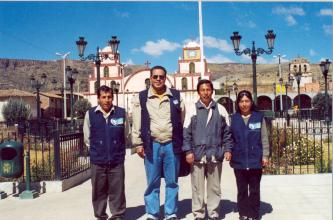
[16,73]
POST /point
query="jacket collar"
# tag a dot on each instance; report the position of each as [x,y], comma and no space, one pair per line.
[99,109]
[151,93]
[200,105]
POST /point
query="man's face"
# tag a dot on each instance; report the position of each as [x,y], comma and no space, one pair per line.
[157,79]
[205,93]
[105,101]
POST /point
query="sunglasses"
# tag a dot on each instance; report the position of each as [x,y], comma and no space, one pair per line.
[161,77]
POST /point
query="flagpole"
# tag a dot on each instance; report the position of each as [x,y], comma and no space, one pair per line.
[202,66]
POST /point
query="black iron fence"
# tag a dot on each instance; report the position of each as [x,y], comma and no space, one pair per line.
[299,146]
[56,148]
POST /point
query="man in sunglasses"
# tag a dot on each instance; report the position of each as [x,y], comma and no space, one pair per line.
[158,114]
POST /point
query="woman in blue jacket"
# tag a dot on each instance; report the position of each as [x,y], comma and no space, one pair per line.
[249,154]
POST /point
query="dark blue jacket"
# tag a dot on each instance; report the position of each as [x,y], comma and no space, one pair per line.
[247,150]
[176,120]
[107,137]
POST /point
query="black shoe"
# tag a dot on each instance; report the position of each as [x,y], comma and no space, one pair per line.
[243,217]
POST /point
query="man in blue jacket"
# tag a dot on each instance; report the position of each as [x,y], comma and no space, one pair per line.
[104,134]
[157,136]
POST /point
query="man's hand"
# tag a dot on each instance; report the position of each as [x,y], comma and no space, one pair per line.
[140,151]
[227,156]
[190,158]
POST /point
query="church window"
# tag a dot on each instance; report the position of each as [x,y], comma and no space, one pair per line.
[106,71]
[184,83]
[113,84]
[147,83]
[192,67]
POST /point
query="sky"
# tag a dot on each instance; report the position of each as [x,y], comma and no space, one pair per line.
[157,31]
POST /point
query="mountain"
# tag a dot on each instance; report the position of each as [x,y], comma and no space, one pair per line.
[16,73]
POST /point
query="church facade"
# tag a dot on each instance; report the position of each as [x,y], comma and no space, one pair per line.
[126,87]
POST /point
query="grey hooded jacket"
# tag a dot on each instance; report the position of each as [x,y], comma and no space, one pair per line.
[207,132]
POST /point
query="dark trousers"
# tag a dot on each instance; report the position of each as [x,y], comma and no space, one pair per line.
[248,195]
[108,183]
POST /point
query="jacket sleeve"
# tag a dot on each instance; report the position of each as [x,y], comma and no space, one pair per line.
[187,133]
[227,141]
[86,129]
[264,139]
[136,129]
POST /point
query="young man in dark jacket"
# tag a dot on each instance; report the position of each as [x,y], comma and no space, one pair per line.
[207,141]
[104,134]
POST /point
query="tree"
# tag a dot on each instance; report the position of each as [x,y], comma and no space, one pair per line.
[318,101]
[81,106]
[15,111]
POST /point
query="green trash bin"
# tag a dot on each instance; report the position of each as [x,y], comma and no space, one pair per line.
[11,159]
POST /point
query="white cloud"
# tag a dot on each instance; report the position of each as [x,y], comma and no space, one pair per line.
[219,59]
[129,62]
[288,11]
[260,60]
[275,60]
[290,20]
[121,13]
[158,48]
[312,52]
[322,59]
[222,45]
[326,12]
[328,29]
[249,24]
[306,26]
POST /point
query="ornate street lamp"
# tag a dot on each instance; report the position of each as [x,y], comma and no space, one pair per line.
[98,58]
[71,77]
[37,83]
[115,89]
[253,53]
[325,65]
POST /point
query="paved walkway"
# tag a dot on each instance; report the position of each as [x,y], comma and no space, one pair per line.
[285,197]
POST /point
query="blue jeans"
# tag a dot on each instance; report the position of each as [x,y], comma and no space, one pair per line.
[161,157]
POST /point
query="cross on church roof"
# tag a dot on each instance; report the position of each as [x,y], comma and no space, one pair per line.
[147,64]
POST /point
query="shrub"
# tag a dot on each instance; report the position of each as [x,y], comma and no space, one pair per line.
[15,111]
[289,149]
[81,106]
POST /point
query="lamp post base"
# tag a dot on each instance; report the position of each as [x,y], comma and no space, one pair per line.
[3,195]
[29,194]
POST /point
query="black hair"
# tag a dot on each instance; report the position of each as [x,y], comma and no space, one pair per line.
[240,95]
[104,89]
[205,81]
[158,68]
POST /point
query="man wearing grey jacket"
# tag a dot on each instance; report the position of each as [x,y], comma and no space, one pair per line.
[207,141]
